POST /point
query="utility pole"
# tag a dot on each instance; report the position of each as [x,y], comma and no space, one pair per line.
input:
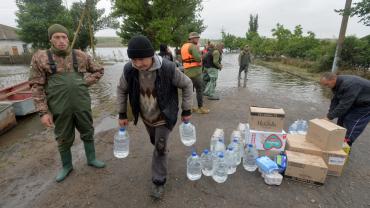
[342,34]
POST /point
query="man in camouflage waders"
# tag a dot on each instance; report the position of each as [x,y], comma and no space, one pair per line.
[61,95]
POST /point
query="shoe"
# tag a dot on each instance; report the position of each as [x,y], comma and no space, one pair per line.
[215,97]
[194,110]
[90,155]
[157,191]
[66,157]
[203,110]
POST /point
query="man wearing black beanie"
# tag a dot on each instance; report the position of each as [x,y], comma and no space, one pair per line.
[151,84]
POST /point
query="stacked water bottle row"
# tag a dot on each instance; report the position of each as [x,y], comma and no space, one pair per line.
[298,127]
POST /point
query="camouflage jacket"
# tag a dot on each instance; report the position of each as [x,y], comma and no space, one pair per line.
[40,71]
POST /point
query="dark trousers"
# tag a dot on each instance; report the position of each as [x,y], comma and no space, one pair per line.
[158,137]
[355,121]
[198,85]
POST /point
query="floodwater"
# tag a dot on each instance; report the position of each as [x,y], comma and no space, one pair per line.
[260,79]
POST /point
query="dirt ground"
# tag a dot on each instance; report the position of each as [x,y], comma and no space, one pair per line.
[29,163]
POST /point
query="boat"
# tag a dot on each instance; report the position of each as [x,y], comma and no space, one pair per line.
[7,117]
[20,96]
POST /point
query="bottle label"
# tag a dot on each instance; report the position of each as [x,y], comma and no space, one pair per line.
[337,160]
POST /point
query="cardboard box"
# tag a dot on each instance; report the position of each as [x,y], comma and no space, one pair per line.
[325,134]
[267,119]
[274,141]
[298,143]
[307,168]
[335,160]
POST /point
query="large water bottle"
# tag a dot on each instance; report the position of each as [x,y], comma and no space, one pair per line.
[217,135]
[219,147]
[121,146]
[293,128]
[187,133]
[220,169]
[303,127]
[238,151]
[247,135]
[206,162]
[249,158]
[230,159]
[193,170]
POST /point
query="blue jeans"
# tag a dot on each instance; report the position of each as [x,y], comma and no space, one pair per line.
[355,121]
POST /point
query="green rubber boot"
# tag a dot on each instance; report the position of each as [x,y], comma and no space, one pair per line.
[66,157]
[90,155]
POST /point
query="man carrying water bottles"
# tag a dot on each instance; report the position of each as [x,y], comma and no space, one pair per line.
[151,84]
[350,103]
[60,91]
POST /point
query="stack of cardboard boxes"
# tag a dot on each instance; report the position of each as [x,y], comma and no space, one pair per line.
[319,153]
[266,130]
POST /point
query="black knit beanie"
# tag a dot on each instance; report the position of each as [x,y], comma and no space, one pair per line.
[140,47]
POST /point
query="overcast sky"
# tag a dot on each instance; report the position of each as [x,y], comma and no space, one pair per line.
[233,16]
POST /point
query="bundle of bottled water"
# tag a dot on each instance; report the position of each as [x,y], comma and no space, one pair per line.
[222,160]
[269,171]
[298,127]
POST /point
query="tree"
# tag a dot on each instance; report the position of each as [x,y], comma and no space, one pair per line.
[97,18]
[167,21]
[253,28]
[360,9]
[34,17]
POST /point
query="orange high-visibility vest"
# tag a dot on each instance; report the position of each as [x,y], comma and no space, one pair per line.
[188,60]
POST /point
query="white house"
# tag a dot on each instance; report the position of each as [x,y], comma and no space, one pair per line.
[10,44]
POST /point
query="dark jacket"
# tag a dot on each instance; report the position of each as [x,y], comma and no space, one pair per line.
[208,60]
[167,94]
[349,92]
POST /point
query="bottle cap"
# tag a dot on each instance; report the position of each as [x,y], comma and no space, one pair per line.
[220,154]
[250,145]
[122,129]
[186,122]
[193,154]
[205,151]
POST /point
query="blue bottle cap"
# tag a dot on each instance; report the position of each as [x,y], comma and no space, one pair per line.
[193,154]
[122,129]
[220,154]
[250,145]
[230,148]
[235,140]
[205,151]
[186,122]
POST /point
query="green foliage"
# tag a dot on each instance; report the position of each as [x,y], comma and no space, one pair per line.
[360,9]
[34,17]
[162,21]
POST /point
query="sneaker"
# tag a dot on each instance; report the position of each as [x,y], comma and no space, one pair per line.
[157,191]
[203,110]
[194,110]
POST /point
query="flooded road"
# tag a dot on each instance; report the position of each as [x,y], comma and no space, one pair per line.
[260,79]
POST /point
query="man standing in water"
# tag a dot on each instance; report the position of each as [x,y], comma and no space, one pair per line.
[244,59]
[61,95]
[151,83]
[191,60]
[350,102]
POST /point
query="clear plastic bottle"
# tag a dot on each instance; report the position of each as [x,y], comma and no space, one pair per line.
[187,133]
[220,169]
[217,135]
[230,159]
[249,158]
[235,144]
[121,147]
[193,170]
[206,162]
[293,128]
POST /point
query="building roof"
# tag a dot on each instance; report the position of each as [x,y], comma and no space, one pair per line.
[8,33]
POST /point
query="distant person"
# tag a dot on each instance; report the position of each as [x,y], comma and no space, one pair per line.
[165,52]
[191,60]
[212,64]
[350,103]
[244,60]
[62,96]
[209,47]
[151,84]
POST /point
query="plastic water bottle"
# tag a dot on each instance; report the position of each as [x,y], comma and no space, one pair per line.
[219,147]
[235,144]
[217,135]
[303,127]
[249,158]
[293,128]
[187,133]
[220,169]
[121,144]
[193,170]
[230,159]
[247,135]
[206,162]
